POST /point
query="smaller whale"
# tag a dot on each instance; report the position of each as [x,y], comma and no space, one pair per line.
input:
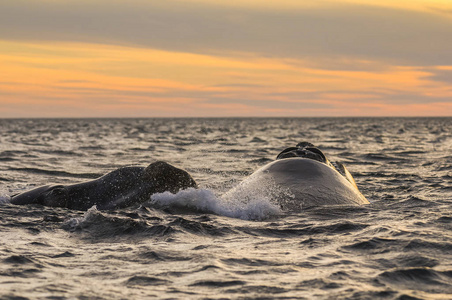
[301,177]
[118,189]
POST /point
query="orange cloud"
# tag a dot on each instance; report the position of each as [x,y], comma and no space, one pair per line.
[73,79]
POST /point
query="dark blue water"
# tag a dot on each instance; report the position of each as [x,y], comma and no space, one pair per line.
[398,247]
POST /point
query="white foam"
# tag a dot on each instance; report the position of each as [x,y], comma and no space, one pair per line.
[76,223]
[4,199]
[205,200]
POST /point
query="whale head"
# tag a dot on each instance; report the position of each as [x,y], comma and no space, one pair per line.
[304,150]
[166,177]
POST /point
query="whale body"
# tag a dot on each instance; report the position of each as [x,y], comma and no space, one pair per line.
[297,182]
[121,188]
[300,177]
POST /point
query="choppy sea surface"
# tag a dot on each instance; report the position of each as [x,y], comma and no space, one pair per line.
[398,247]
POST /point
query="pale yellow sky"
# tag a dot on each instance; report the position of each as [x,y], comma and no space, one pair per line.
[419,5]
[231,58]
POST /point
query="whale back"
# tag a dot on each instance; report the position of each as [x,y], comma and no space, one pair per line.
[296,183]
[120,188]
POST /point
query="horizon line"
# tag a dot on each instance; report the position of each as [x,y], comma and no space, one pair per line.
[224,117]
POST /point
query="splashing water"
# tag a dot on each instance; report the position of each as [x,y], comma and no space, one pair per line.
[4,199]
[205,201]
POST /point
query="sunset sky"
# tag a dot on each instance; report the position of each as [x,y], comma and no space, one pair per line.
[215,58]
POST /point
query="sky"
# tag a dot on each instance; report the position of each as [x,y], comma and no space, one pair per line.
[225,58]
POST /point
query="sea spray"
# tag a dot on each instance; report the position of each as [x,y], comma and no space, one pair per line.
[78,223]
[101,225]
[203,200]
[4,199]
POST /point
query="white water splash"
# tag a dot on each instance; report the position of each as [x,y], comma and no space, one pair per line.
[205,201]
[4,199]
[77,223]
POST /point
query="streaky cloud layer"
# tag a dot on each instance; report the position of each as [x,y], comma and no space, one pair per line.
[200,58]
[361,31]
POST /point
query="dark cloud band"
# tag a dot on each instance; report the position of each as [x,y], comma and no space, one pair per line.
[398,36]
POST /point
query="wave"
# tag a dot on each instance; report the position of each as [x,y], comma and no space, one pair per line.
[203,200]
[341,227]
[374,245]
[145,281]
[60,152]
[100,225]
[4,199]
[426,279]
[218,283]
[57,173]
[200,228]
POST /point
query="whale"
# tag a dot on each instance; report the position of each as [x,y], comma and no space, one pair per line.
[120,188]
[299,178]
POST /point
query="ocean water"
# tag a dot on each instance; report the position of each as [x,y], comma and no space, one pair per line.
[195,245]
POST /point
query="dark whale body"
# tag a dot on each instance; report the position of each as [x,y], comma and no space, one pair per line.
[118,189]
[301,177]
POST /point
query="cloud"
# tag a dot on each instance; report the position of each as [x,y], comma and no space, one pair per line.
[348,30]
[441,75]
[80,80]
